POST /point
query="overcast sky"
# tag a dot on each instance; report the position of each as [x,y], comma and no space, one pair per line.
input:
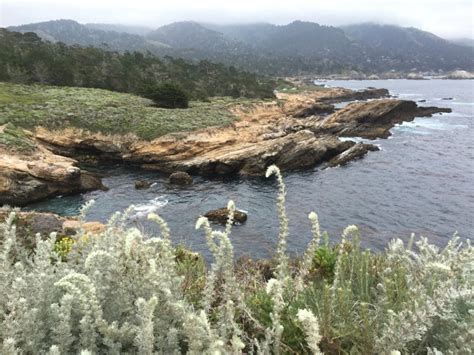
[448,18]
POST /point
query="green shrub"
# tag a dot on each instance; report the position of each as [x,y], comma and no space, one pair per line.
[324,261]
[167,95]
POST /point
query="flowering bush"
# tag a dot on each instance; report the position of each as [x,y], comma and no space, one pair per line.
[124,292]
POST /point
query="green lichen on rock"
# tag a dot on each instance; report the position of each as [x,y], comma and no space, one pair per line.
[105,111]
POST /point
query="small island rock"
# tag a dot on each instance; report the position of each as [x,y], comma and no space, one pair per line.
[180,178]
[220,216]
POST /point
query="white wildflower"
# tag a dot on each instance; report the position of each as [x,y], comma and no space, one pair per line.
[54,350]
[437,266]
[200,222]
[310,251]
[271,170]
[85,208]
[350,230]
[311,329]
[231,205]
[165,231]
[271,285]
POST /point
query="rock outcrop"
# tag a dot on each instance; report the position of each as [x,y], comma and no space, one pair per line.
[373,119]
[33,177]
[350,95]
[301,149]
[220,216]
[317,108]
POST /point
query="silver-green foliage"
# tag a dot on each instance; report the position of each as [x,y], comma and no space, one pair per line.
[121,292]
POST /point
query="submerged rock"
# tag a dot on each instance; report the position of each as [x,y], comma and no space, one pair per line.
[180,178]
[142,184]
[220,216]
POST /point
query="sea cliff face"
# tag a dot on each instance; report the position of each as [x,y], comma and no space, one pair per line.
[295,131]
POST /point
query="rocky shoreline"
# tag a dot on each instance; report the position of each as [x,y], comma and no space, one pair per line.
[295,131]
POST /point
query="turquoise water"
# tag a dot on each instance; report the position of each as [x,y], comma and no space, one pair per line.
[422,181]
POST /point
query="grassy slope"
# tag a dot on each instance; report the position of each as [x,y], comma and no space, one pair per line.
[105,111]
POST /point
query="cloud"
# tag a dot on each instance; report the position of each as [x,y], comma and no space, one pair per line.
[446,18]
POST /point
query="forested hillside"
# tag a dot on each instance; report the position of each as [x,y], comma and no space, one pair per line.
[25,58]
[297,48]
[411,47]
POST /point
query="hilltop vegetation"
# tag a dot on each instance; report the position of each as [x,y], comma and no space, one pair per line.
[104,111]
[25,58]
[297,48]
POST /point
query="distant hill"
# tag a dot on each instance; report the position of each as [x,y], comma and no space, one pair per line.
[297,48]
[72,32]
[298,37]
[134,30]
[410,48]
[191,35]
[366,47]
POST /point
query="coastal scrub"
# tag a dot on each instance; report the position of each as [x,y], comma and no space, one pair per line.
[106,111]
[123,291]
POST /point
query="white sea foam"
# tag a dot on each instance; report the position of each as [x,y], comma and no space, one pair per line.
[141,211]
[410,95]
[432,124]
[354,139]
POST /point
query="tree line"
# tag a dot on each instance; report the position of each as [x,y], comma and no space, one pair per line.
[25,58]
